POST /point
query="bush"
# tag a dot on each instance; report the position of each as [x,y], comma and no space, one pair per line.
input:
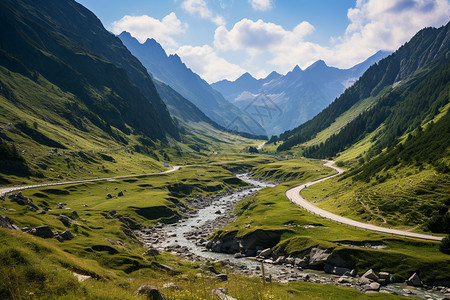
[444,247]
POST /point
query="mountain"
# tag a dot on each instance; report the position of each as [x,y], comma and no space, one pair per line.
[173,72]
[396,92]
[63,44]
[295,97]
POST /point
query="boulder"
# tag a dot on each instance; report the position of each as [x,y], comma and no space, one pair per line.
[301,263]
[66,220]
[151,252]
[374,286]
[5,222]
[345,279]
[60,205]
[414,280]
[218,212]
[221,294]
[223,277]
[112,212]
[165,268]
[238,255]
[371,275]
[385,278]
[290,261]
[42,231]
[108,196]
[266,252]
[151,292]
[120,194]
[336,270]
[280,260]
[42,165]
[66,235]
[318,256]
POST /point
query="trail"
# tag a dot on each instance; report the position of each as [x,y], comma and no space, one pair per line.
[6,190]
[293,195]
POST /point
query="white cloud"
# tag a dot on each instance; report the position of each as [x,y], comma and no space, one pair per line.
[200,8]
[259,36]
[261,4]
[385,24]
[143,27]
[374,25]
[205,62]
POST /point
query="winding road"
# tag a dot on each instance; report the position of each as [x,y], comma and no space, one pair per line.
[293,195]
[6,190]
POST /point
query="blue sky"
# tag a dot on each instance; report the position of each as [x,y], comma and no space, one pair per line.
[224,38]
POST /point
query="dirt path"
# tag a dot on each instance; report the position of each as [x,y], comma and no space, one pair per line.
[293,194]
[5,190]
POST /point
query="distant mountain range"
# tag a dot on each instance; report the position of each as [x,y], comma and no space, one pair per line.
[173,72]
[393,98]
[284,102]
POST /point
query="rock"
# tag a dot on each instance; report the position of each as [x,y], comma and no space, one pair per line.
[385,278]
[65,220]
[212,270]
[60,205]
[351,273]
[364,281]
[280,260]
[151,252]
[302,263]
[120,194]
[112,242]
[165,268]
[345,279]
[81,277]
[371,275]
[290,261]
[66,235]
[209,245]
[42,231]
[338,270]
[171,286]
[112,212]
[318,256]
[414,280]
[223,277]
[151,292]
[266,252]
[108,196]
[218,212]
[221,294]
[5,222]
[374,286]
[238,255]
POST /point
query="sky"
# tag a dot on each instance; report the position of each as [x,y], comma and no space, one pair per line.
[222,39]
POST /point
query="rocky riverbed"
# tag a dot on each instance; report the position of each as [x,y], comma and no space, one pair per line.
[188,238]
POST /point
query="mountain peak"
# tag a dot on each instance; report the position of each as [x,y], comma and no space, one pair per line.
[297,69]
[318,64]
[273,75]
[246,76]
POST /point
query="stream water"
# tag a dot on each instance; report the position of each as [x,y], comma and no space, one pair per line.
[186,232]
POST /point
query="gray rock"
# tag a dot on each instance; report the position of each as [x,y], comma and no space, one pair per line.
[318,256]
[112,212]
[66,235]
[290,261]
[218,212]
[66,220]
[345,279]
[108,196]
[414,280]
[266,253]
[222,294]
[364,281]
[302,263]
[371,275]
[151,292]
[42,231]
[120,194]
[238,255]
[280,260]
[374,286]
[111,241]
[42,165]
[5,222]
[60,205]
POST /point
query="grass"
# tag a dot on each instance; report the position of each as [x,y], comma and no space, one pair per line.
[270,210]
[403,198]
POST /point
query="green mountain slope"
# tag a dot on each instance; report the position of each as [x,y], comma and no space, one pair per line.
[427,48]
[82,58]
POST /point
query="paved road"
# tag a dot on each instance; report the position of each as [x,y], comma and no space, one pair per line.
[5,190]
[293,194]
